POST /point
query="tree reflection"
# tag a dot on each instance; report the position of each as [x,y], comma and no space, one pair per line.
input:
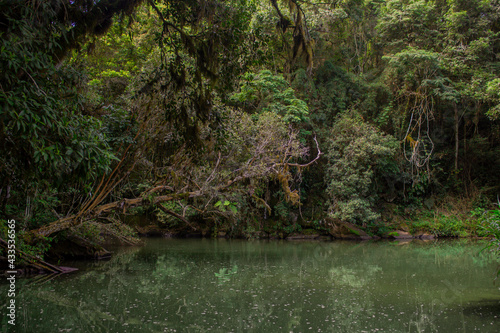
[196,286]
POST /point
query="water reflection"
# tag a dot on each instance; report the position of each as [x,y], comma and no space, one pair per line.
[270,286]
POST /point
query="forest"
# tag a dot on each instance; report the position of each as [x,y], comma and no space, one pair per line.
[246,119]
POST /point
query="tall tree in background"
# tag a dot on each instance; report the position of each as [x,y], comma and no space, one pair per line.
[458,42]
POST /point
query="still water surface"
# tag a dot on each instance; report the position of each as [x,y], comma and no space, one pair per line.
[205,285]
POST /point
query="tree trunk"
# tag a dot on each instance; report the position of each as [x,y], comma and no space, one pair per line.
[122,205]
[456,134]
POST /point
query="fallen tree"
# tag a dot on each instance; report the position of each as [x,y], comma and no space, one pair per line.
[278,168]
[31,261]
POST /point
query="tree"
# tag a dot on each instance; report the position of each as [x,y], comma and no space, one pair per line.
[360,157]
[43,134]
[444,52]
[265,92]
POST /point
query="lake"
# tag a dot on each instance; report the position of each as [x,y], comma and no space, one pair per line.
[200,285]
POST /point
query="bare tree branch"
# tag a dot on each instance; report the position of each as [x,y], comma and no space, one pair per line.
[303,165]
[174,214]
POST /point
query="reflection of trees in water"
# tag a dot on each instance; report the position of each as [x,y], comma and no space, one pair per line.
[124,284]
[94,307]
[454,249]
[44,309]
[350,300]
[354,278]
[423,321]
[347,315]
[277,286]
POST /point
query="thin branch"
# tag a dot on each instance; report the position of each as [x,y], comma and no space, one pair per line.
[174,214]
[303,165]
[210,178]
[35,83]
[158,188]
[263,202]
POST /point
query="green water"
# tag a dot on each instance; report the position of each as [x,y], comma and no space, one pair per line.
[269,286]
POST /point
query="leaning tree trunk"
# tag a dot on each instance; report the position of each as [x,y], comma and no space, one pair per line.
[456,134]
[33,261]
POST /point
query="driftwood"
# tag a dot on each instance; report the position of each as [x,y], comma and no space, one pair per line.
[34,261]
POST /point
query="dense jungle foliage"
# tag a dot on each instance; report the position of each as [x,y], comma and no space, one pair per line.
[248,118]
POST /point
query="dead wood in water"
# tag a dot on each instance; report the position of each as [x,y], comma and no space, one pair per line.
[34,261]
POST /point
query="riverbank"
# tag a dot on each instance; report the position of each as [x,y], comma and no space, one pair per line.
[420,225]
[424,225]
